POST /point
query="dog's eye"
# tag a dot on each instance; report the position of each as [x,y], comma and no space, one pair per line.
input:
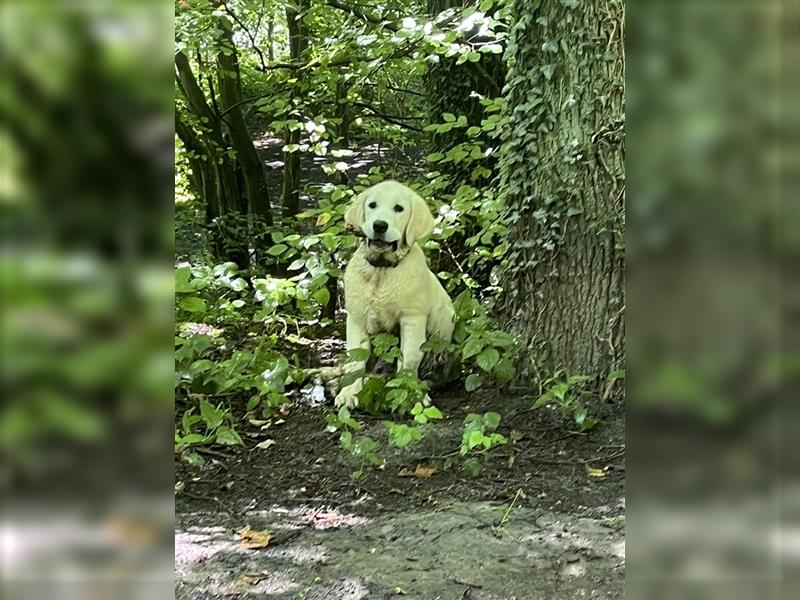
[398,208]
[372,205]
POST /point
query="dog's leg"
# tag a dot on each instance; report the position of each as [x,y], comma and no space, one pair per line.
[412,336]
[356,338]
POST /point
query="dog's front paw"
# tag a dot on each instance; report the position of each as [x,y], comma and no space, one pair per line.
[348,396]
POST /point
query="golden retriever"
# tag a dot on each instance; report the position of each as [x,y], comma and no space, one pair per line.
[387,284]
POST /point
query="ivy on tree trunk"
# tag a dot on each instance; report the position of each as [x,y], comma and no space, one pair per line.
[562,181]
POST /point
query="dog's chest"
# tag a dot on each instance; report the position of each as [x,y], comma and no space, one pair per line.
[380,301]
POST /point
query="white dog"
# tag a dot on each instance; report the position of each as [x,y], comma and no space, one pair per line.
[387,284]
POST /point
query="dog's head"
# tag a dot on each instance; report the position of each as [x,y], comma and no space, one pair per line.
[393,217]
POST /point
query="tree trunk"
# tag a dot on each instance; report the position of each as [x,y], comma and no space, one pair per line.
[220,187]
[271,40]
[229,195]
[562,180]
[298,43]
[230,93]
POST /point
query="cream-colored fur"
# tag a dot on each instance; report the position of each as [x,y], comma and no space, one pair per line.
[380,297]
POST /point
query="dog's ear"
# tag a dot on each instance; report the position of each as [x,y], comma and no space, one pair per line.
[420,221]
[355,212]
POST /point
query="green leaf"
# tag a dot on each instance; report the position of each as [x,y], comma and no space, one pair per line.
[488,359]
[211,415]
[192,438]
[472,347]
[323,296]
[182,276]
[357,354]
[500,338]
[491,419]
[618,374]
[473,382]
[433,413]
[228,437]
[194,459]
[473,466]
[277,249]
[475,439]
[449,117]
[297,264]
[193,304]
[504,370]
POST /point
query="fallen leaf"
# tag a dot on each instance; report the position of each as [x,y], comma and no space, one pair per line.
[510,461]
[265,444]
[516,435]
[592,472]
[421,472]
[257,422]
[252,539]
[279,422]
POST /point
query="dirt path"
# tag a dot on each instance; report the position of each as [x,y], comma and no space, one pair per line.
[386,536]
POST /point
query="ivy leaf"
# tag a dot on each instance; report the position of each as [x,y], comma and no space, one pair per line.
[618,374]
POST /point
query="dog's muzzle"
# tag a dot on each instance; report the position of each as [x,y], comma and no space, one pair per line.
[382,245]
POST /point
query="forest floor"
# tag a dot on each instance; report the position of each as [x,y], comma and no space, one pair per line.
[544,520]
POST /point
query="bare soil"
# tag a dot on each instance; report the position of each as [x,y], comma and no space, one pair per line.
[544,520]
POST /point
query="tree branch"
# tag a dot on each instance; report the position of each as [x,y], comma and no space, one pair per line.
[252,38]
[393,119]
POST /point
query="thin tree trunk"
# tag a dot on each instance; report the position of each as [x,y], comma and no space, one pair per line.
[221,189]
[271,40]
[229,194]
[298,43]
[562,178]
[229,83]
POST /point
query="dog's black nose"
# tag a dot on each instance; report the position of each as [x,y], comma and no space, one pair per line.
[380,226]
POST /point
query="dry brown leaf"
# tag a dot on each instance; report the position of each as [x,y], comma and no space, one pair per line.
[592,472]
[265,444]
[421,472]
[256,422]
[279,422]
[252,539]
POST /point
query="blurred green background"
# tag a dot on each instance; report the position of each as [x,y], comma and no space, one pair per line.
[86,136]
